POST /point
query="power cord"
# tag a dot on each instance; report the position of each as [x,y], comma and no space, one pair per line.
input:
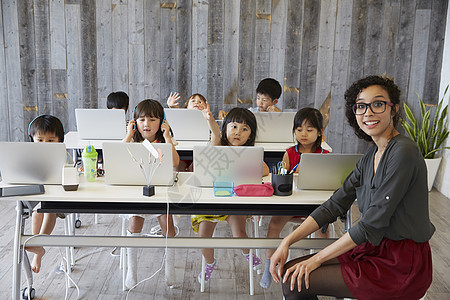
[68,278]
[164,256]
[64,270]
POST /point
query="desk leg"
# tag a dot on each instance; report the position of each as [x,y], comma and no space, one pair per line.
[75,155]
[17,252]
[250,267]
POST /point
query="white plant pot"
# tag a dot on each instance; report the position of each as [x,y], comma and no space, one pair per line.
[432,167]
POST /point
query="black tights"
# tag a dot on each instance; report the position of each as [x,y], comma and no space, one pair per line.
[325,281]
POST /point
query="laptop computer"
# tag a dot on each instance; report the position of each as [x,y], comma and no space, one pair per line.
[275,127]
[325,171]
[32,163]
[225,163]
[101,124]
[121,169]
[187,124]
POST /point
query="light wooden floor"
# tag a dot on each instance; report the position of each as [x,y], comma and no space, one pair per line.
[98,276]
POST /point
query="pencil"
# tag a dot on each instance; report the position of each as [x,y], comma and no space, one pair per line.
[293,169]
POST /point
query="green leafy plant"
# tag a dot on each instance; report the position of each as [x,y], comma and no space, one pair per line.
[430,133]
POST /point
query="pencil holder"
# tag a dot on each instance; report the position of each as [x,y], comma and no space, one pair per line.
[282,184]
[148,190]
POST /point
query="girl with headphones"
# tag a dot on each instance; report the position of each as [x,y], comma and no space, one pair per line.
[149,123]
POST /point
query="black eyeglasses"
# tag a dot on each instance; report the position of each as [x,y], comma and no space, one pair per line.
[377,107]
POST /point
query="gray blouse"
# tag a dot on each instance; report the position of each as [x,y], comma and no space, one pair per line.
[393,202]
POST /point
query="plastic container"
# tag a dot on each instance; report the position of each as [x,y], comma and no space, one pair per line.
[282,184]
[89,158]
[223,188]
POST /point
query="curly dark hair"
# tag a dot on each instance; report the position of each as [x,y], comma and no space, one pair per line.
[355,89]
[239,115]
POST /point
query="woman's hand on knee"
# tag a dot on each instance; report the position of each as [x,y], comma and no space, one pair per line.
[279,257]
[300,270]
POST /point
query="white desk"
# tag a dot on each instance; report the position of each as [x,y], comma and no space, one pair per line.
[73,142]
[99,197]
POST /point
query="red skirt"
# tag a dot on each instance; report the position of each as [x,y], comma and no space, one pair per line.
[393,270]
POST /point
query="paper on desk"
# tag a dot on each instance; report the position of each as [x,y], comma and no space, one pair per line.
[150,148]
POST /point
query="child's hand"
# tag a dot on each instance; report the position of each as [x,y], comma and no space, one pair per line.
[207,113]
[172,100]
[272,108]
[131,129]
[222,114]
[165,128]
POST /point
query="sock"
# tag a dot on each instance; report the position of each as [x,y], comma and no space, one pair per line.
[266,279]
[131,279]
[169,267]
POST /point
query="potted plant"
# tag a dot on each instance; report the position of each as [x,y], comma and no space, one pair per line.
[429,133]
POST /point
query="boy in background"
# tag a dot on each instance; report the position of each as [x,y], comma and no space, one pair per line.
[267,94]
[118,100]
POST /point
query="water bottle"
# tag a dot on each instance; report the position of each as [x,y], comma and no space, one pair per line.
[89,157]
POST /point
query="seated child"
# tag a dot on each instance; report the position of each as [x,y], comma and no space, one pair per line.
[308,130]
[149,124]
[267,94]
[238,129]
[43,129]
[118,100]
[195,101]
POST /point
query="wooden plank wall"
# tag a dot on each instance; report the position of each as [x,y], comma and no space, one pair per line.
[59,55]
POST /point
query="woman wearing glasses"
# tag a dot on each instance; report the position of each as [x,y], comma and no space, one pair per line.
[386,255]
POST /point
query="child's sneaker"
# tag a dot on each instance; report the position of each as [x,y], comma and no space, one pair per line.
[208,271]
[256,261]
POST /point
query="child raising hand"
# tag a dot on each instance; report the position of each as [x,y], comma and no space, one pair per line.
[238,129]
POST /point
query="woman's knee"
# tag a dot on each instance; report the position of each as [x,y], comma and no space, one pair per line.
[295,294]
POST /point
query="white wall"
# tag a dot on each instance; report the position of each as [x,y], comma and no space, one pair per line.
[442,182]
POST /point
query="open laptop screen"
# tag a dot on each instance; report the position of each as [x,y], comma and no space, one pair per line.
[187,124]
[121,169]
[32,163]
[325,171]
[226,163]
[275,127]
[101,124]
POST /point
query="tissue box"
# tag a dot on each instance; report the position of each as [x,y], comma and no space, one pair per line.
[223,188]
[70,179]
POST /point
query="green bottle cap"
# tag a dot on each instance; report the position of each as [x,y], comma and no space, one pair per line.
[89,152]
